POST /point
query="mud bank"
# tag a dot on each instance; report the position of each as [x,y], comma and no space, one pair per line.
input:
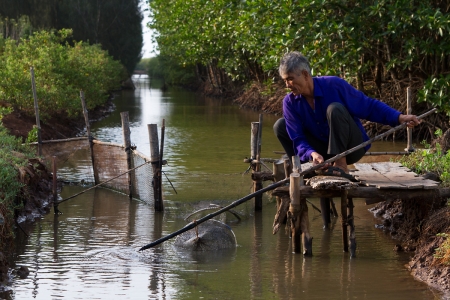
[416,225]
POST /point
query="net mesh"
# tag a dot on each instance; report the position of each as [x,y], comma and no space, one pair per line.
[74,166]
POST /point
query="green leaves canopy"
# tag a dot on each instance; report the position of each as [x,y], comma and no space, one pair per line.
[384,40]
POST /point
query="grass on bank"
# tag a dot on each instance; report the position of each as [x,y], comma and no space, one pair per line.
[13,155]
[435,161]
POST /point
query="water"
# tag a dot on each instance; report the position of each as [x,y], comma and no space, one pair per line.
[91,250]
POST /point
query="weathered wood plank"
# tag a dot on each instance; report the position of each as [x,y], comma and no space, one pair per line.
[391,175]
[369,176]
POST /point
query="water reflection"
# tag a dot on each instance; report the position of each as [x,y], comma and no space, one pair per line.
[90,252]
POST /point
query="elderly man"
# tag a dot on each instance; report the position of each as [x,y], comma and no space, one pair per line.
[322,116]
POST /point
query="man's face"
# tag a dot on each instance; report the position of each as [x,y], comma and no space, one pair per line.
[297,83]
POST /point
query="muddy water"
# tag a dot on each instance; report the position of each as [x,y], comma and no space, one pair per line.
[90,251]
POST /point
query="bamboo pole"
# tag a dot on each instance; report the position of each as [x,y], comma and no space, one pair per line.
[36,110]
[88,131]
[127,142]
[277,184]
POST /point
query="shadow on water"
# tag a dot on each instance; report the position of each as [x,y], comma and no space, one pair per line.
[91,250]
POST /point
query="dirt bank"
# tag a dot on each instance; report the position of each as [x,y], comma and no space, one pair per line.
[415,224]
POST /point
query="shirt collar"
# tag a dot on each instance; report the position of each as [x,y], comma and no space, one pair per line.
[317,88]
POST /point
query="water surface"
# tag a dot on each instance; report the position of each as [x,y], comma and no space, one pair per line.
[91,250]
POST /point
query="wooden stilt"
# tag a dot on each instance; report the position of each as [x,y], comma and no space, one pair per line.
[281,215]
[256,167]
[409,146]
[294,211]
[127,143]
[326,212]
[344,219]
[55,187]
[88,132]
[155,157]
[351,227]
[278,174]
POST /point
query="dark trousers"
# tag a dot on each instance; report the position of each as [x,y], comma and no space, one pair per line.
[344,135]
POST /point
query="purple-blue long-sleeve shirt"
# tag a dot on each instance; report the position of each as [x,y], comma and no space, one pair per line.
[300,117]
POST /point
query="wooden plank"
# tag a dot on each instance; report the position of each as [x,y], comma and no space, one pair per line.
[371,177]
[391,175]
[403,175]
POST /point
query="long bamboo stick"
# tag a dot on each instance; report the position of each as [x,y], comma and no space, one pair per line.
[193,224]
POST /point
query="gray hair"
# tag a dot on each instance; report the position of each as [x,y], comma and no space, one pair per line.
[293,62]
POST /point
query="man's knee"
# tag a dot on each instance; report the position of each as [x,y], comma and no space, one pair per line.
[279,127]
[336,107]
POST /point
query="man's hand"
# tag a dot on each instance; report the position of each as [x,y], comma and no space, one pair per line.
[318,159]
[410,120]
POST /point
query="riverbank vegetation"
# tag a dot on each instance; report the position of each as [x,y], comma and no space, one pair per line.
[381,47]
[113,25]
[61,72]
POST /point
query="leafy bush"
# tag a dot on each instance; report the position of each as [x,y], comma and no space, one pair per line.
[61,71]
[10,186]
[430,160]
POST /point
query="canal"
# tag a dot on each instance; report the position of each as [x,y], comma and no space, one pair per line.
[91,250]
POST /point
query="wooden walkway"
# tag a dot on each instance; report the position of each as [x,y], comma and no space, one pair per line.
[377,182]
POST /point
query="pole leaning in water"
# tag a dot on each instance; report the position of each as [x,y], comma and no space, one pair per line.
[193,224]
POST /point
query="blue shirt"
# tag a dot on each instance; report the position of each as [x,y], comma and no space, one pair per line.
[300,116]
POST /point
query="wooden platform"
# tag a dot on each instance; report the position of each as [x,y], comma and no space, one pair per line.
[391,175]
[376,182]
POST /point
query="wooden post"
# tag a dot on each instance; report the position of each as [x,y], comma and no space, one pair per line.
[304,218]
[154,157]
[409,146]
[294,211]
[127,143]
[55,187]
[88,131]
[351,227]
[36,110]
[287,167]
[256,166]
[344,219]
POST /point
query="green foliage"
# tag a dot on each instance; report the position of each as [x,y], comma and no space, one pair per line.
[114,24]
[61,71]
[32,135]
[167,69]
[10,161]
[389,40]
[4,111]
[430,160]
[442,254]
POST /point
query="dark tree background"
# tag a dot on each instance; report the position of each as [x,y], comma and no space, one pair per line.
[115,24]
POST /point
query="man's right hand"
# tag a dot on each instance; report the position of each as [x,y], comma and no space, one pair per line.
[318,159]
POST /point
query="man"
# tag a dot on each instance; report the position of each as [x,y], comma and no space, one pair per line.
[322,116]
